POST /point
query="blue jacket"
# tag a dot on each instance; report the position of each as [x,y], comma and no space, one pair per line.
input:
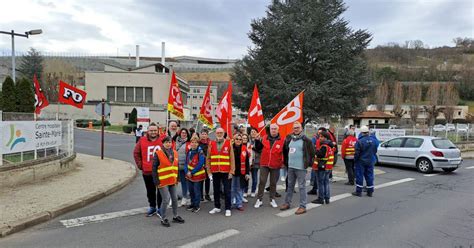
[365,150]
[189,157]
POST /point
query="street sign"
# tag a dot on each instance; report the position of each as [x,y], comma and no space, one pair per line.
[98,109]
[143,117]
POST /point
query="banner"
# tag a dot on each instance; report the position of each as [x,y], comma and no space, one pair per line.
[255,113]
[175,100]
[224,111]
[71,95]
[40,99]
[20,136]
[143,117]
[288,115]
[205,115]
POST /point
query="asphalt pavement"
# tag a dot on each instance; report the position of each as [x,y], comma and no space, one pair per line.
[408,210]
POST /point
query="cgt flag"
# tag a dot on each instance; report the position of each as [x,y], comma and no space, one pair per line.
[175,100]
[40,99]
[255,114]
[205,115]
[224,111]
[71,95]
[288,115]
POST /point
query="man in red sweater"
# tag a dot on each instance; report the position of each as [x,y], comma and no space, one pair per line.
[348,151]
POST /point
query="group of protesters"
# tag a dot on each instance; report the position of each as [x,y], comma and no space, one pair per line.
[241,166]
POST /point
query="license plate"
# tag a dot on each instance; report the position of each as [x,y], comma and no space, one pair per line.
[455,162]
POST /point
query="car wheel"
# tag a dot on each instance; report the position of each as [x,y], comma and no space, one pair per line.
[424,165]
[449,169]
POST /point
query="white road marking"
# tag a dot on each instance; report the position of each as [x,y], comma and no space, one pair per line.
[383,185]
[211,239]
[101,217]
[431,175]
[470,167]
[309,206]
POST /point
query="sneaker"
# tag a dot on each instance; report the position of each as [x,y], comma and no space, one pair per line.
[215,211]
[282,179]
[240,208]
[202,198]
[312,192]
[267,189]
[369,194]
[178,219]
[349,183]
[318,201]
[151,211]
[183,202]
[208,198]
[158,213]
[245,200]
[300,211]
[252,195]
[258,203]
[165,222]
[188,201]
[285,206]
[273,203]
[190,208]
[327,201]
[357,194]
[228,213]
[277,194]
[245,194]
[195,210]
[233,201]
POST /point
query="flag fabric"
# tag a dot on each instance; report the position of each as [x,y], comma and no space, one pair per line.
[224,111]
[175,99]
[255,113]
[205,115]
[40,99]
[289,114]
[71,95]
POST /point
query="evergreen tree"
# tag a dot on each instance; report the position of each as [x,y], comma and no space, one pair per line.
[31,64]
[304,44]
[9,99]
[133,117]
[25,95]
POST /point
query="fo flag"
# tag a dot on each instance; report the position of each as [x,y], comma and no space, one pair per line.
[255,114]
[205,115]
[288,115]
[224,111]
[71,95]
[40,99]
[175,100]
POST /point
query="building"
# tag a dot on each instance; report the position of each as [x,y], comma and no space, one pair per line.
[196,97]
[370,118]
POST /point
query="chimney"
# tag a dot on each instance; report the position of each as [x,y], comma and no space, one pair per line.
[137,58]
[163,55]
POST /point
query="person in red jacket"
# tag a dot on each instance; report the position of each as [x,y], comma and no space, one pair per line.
[143,155]
[271,161]
[348,151]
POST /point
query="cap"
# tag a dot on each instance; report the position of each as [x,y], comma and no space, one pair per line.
[364,129]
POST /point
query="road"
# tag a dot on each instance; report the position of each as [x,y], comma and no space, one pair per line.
[408,210]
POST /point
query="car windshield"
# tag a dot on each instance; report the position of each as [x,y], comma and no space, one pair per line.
[443,144]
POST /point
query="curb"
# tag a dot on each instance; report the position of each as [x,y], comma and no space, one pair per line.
[105,131]
[39,218]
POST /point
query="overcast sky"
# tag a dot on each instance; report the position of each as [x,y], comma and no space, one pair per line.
[209,28]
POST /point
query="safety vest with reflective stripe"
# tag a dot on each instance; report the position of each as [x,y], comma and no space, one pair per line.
[201,174]
[349,147]
[327,161]
[220,160]
[243,158]
[167,170]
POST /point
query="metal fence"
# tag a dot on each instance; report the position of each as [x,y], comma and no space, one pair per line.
[64,149]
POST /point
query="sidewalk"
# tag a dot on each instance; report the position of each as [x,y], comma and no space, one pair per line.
[91,180]
[467,155]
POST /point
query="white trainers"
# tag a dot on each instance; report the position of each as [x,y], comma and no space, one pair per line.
[227,213]
[245,200]
[215,211]
[258,203]
[183,201]
[252,195]
[283,179]
[245,194]
[273,203]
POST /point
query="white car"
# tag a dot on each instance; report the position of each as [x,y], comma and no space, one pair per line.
[462,128]
[439,128]
[423,152]
[450,127]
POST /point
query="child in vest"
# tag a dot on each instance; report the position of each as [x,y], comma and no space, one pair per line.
[195,173]
[242,169]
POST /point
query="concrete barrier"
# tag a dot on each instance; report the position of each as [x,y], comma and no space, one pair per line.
[35,170]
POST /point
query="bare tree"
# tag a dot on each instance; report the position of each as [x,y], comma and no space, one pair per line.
[381,96]
[59,69]
[433,96]
[397,100]
[414,96]
[450,99]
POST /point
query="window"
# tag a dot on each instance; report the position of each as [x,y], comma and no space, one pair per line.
[443,144]
[148,95]
[376,121]
[459,113]
[395,142]
[129,94]
[196,91]
[120,94]
[127,115]
[129,91]
[413,143]
[195,108]
[194,116]
[139,94]
[110,93]
[370,121]
[201,97]
[194,97]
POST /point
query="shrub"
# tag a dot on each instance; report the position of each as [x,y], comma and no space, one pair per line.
[129,128]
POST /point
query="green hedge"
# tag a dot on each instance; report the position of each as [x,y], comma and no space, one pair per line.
[129,128]
[95,123]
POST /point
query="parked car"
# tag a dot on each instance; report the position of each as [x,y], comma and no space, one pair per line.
[450,127]
[439,128]
[462,128]
[423,152]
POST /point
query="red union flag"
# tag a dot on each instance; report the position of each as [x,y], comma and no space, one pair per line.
[224,111]
[175,100]
[205,115]
[40,99]
[289,114]
[255,114]
[71,95]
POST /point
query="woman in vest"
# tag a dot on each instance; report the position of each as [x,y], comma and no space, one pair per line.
[245,142]
[195,173]
[182,147]
[323,164]
[165,176]
[241,174]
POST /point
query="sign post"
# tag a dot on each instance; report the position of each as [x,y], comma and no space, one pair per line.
[102,109]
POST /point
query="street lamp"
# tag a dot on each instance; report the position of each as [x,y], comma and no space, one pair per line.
[13,34]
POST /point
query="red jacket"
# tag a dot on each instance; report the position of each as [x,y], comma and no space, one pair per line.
[348,147]
[143,153]
[272,156]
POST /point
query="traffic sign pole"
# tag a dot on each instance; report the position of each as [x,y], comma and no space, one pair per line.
[102,133]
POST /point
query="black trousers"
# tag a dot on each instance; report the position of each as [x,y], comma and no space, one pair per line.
[217,180]
[152,193]
[349,163]
[205,184]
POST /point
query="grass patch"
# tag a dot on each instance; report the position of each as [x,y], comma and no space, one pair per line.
[113,128]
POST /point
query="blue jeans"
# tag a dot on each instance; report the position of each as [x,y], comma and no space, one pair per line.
[323,181]
[283,172]
[195,193]
[295,175]
[314,180]
[236,193]
[364,171]
[184,183]
[254,174]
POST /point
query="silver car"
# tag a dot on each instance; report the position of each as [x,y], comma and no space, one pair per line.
[423,152]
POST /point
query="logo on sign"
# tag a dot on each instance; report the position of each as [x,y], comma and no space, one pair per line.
[15,137]
[175,92]
[76,97]
[292,113]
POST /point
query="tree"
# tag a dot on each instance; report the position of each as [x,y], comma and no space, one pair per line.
[381,96]
[9,99]
[450,99]
[25,95]
[31,64]
[56,69]
[432,109]
[304,45]
[414,96]
[398,100]
[133,117]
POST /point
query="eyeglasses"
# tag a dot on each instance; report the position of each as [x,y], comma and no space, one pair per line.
[237,139]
